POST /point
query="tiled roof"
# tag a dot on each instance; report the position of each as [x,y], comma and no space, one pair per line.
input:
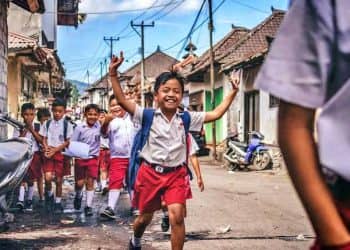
[220,49]
[100,84]
[155,64]
[254,43]
[17,41]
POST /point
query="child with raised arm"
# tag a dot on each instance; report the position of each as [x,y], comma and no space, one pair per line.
[162,171]
[308,68]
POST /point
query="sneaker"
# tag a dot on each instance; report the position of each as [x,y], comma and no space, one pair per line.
[29,205]
[77,202]
[58,208]
[104,191]
[132,247]
[88,211]
[108,213]
[20,205]
[165,224]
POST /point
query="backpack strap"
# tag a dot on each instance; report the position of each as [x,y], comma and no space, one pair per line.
[36,127]
[147,120]
[186,120]
[48,122]
[65,128]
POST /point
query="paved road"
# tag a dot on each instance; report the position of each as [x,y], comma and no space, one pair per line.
[260,209]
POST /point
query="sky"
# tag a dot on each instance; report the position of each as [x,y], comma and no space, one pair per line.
[84,50]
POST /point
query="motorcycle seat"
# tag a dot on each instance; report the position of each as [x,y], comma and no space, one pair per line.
[12,152]
[240,144]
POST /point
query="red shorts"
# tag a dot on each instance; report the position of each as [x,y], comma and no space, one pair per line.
[86,168]
[67,165]
[35,167]
[151,186]
[117,172]
[344,211]
[104,160]
[55,164]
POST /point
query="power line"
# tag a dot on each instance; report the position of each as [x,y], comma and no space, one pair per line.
[195,29]
[116,11]
[191,30]
[169,11]
[250,7]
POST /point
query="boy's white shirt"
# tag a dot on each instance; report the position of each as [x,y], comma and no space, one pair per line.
[54,134]
[28,135]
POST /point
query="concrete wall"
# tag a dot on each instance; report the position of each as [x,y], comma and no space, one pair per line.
[14,89]
[268,119]
[3,64]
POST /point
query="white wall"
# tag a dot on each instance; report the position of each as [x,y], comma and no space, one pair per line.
[49,21]
[268,119]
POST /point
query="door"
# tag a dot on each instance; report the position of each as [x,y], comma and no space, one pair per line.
[251,112]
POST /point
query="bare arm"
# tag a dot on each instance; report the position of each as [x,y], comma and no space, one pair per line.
[128,105]
[303,165]
[36,135]
[220,110]
[197,171]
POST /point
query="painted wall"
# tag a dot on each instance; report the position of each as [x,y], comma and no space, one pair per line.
[3,64]
[268,119]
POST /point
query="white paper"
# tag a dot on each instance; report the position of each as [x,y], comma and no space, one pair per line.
[78,150]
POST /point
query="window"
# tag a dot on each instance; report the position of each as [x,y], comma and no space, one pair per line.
[274,101]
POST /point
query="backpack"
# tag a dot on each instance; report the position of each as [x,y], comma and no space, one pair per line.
[65,127]
[140,140]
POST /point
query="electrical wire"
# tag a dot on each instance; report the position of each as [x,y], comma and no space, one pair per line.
[250,7]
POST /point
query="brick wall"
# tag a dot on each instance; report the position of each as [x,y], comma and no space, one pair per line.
[3,64]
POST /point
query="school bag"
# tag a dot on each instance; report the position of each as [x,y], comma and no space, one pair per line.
[65,127]
[140,140]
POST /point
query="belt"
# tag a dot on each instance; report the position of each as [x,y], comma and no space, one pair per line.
[163,169]
[103,149]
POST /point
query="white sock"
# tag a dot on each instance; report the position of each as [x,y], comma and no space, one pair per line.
[30,192]
[136,241]
[58,199]
[89,198]
[21,193]
[49,192]
[103,183]
[131,195]
[113,197]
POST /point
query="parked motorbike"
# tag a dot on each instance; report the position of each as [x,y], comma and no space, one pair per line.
[15,157]
[252,156]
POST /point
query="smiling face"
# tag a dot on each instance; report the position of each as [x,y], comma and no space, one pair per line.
[169,95]
[115,109]
[91,116]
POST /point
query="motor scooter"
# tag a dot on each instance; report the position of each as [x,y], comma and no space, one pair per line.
[15,157]
[252,156]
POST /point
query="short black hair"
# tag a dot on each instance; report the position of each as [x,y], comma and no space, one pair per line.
[43,112]
[92,106]
[103,111]
[58,102]
[165,76]
[111,98]
[26,106]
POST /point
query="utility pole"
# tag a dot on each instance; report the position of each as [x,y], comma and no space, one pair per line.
[142,35]
[212,81]
[88,76]
[101,69]
[110,41]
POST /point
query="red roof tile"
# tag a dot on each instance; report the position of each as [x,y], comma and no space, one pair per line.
[18,41]
[254,43]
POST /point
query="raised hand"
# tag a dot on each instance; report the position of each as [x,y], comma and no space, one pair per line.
[234,80]
[115,63]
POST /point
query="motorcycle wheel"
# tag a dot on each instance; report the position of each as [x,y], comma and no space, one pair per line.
[261,161]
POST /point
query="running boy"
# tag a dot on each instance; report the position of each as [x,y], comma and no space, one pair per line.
[56,133]
[86,170]
[308,68]
[165,152]
[34,173]
[120,131]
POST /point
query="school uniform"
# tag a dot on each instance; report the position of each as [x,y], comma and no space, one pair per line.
[35,168]
[84,168]
[121,133]
[164,149]
[55,138]
[308,65]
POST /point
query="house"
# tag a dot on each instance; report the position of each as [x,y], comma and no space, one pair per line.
[98,92]
[29,5]
[199,88]
[253,109]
